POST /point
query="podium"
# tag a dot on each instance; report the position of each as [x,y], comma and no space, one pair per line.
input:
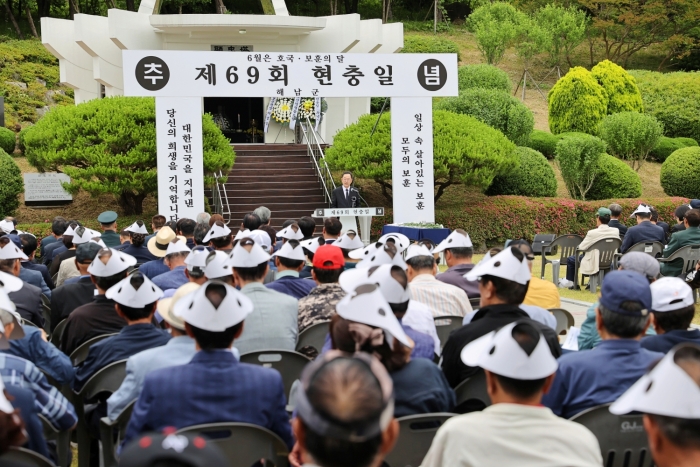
[349,218]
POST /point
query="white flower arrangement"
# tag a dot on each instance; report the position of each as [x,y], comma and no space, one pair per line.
[282,111]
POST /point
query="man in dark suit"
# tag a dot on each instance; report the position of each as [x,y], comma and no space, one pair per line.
[27,297]
[345,196]
[689,236]
[29,246]
[644,231]
[615,213]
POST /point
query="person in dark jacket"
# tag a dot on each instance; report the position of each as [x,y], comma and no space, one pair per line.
[672,310]
[29,246]
[679,214]
[689,236]
[137,238]
[644,231]
[458,250]
[290,260]
[616,212]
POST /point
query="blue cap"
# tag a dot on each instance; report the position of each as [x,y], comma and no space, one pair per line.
[16,240]
[107,217]
[625,286]
[695,204]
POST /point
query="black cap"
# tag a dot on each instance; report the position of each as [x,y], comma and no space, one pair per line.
[194,450]
[86,252]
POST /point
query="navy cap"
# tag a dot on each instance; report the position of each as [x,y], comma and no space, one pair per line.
[107,217]
[625,286]
[695,204]
[193,450]
[86,252]
[16,240]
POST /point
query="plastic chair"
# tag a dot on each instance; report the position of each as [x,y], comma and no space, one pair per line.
[58,332]
[472,395]
[62,439]
[542,242]
[80,354]
[607,247]
[654,249]
[566,244]
[444,325]
[54,278]
[623,441]
[46,312]
[289,364]
[107,435]
[107,380]
[25,457]
[690,254]
[26,322]
[244,444]
[416,434]
[475,303]
[313,336]
[564,320]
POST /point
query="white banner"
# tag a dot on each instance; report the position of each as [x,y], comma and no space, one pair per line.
[285,74]
[412,159]
[180,158]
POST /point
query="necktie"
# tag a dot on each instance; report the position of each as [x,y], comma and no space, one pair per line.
[346,194]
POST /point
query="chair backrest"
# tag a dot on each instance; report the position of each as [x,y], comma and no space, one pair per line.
[566,244]
[416,434]
[475,303]
[112,434]
[606,250]
[244,444]
[541,242]
[24,456]
[623,441]
[45,300]
[313,336]
[26,322]
[654,249]
[58,332]
[444,325]
[472,393]
[61,438]
[564,319]
[690,255]
[80,354]
[54,278]
[289,364]
[108,379]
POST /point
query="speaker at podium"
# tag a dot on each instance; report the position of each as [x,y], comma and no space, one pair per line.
[349,217]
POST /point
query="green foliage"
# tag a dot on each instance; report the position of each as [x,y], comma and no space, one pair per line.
[577,103]
[483,76]
[673,99]
[631,136]
[577,158]
[466,151]
[566,27]
[109,146]
[429,45]
[535,177]
[543,142]
[7,140]
[376,104]
[614,179]
[12,185]
[531,39]
[495,26]
[679,173]
[620,87]
[495,108]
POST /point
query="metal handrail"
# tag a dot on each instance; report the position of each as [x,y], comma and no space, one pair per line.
[219,198]
[315,153]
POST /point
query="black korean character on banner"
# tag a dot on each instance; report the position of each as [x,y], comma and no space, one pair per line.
[420,183]
[419,196]
[405,149]
[172,179]
[353,72]
[432,75]
[172,145]
[173,188]
[420,205]
[314,92]
[419,154]
[278,73]
[173,208]
[174,218]
[172,132]
[406,159]
[187,148]
[188,182]
[418,126]
[280,58]
[172,166]
[245,48]
[297,92]
[231,48]
[188,169]
[188,193]
[257,57]
[172,156]
[218,48]
[340,58]
[187,128]
[174,198]
[419,162]
[187,138]
[189,203]
[327,58]
[419,117]
[171,113]
[208,73]
[406,183]
[187,158]
[267,58]
[317,59]
[171,123]
[152,73]
[419,140]
[385,75]
[323,74]
[419,173]
[309,58]
[404,141]
[280,92]
[290,58]
[406,173]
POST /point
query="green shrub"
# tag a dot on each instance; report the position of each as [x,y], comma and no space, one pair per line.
[12,184]
[483,76]
[494,26]
[376,103]
[577,103]
[20,139]
[543,142]
[631,136]
[614,179]
[577,157]
[667,146]
[495,108]
[7,140]
[687,141]
[535,177]
[620,87]
[415,44]
[465,151]
[673,99]
[679,173]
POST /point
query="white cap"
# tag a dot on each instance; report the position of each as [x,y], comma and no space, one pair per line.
[390,288]
[116,263]
[217,230]
[643,208]
[417,249]
[218,265]
[504,265]
[69,231]
[667,390]
[291,232]
[401,241]
[242,234]
[261,238]
[197,258]
[7,226]
[367,305]
[166,305]
[83,235]
[99,241]
[312,244]
[177,246]
[365,252]
[380,256]
[10,283]
[11,251]
[137,229]
[242,258]
[196,309]
[5,404]
[457,239]
[347,243]
[289,252]
[8,312]
[499,352]
[134,291]
[670,293]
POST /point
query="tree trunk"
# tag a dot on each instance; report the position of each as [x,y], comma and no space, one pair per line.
[441,189]
[31,21]
[385,190]
[8,8]
[73,8]
[131,203]
[130,5]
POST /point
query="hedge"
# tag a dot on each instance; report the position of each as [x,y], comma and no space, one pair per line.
[543,142]
[483,76]
[679,173]
[614,179]
[577,103]
[7,140]
[12,184]
[535,177]
[415,44]
[667,146]
[620,87]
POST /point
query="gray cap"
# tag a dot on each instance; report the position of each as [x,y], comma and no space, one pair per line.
[642,263]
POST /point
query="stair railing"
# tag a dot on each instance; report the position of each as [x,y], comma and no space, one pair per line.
[315,153]
[220,198]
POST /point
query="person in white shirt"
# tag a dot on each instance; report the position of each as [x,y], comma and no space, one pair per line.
[516,429]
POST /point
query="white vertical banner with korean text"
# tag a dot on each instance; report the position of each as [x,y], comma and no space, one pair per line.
[180,157]
[412,159]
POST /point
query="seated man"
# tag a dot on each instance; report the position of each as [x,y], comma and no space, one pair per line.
[68,269]
[516,429]
[157,245]
[458,250]
[672,311]
[290,260]
[220,237]
[214,386]
[29,247]
[310,246]
[319,305]
[644,231]
[25,296]
[689,236]
[679,214]
[541,294]
[599,376]
[175,257]
[589,261]
[615,213]
[655,220]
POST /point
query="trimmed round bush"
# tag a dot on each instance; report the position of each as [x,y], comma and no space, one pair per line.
[667,146]
[614,179]
[495,108]
[679,173]
[535,177]
[620,87]
[7,140]
[631,136]
[483,76]
[577,158]
[12,184]
[577,103]
[543,142]
[415,44]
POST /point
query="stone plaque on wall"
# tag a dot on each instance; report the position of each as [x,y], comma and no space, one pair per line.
[44,189]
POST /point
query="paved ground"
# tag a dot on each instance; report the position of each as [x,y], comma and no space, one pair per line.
[577,308]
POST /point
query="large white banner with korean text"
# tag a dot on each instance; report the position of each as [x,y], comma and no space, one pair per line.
[180,159]
[412,159]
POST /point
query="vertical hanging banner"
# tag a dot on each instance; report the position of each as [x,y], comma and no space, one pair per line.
[180,157]
[412,159]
